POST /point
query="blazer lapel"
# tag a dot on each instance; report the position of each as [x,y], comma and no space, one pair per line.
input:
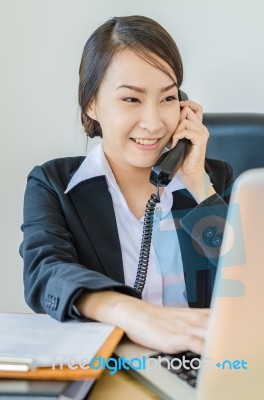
[86,197]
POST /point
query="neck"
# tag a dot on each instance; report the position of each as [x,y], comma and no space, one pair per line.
[133,177]
[134,185]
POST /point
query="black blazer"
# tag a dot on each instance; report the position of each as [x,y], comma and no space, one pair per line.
[71,240]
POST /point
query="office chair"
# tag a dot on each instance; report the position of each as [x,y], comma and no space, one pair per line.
[237,138]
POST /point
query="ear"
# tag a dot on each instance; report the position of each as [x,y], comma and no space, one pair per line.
[91,111]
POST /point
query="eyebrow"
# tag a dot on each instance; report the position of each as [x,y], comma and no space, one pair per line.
[143,90]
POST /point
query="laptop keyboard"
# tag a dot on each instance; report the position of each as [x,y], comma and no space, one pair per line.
[189,374]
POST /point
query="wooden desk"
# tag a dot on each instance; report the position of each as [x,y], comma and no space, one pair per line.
[120,386]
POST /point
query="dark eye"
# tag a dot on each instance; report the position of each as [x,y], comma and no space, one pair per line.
[170,98]
[131,99]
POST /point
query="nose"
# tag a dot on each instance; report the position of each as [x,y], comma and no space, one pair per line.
[151,119]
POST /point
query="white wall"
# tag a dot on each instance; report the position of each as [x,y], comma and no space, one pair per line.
[41,41]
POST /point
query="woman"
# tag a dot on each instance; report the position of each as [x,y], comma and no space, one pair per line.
[83,217]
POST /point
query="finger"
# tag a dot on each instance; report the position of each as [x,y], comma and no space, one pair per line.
[197,321]
[195,310]
[191,319]
[186,342]
[193,136]
[181,135]
[191,115]
[195,126]
[183,114]
[191,125]
[195,107]
[196,345]
[191,326]
[205,311]
[188,113]
[191,342]
[198,332]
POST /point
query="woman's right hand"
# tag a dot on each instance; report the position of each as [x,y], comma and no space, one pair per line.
[165,329]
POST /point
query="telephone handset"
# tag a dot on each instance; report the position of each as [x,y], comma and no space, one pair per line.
[161,174]
[168,163]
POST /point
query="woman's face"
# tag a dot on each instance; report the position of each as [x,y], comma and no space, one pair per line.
[138,109]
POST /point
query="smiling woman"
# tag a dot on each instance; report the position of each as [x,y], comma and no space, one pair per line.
[147,111]
[83,217]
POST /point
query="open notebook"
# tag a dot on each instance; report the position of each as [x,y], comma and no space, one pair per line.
[48,349]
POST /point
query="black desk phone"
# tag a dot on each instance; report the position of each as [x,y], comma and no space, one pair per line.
[161,174]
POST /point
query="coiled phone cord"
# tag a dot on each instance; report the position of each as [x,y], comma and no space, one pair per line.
[146,242]
[162,173]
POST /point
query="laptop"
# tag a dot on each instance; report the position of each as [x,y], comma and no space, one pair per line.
[231,366]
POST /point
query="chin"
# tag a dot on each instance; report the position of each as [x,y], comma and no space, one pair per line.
[143,162]
[142,165]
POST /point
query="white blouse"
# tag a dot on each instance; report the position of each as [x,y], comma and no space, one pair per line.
[165,284]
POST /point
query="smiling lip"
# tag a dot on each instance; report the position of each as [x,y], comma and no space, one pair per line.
[145,141]
[146,144]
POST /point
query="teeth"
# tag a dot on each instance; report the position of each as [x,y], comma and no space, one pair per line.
[146,142]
